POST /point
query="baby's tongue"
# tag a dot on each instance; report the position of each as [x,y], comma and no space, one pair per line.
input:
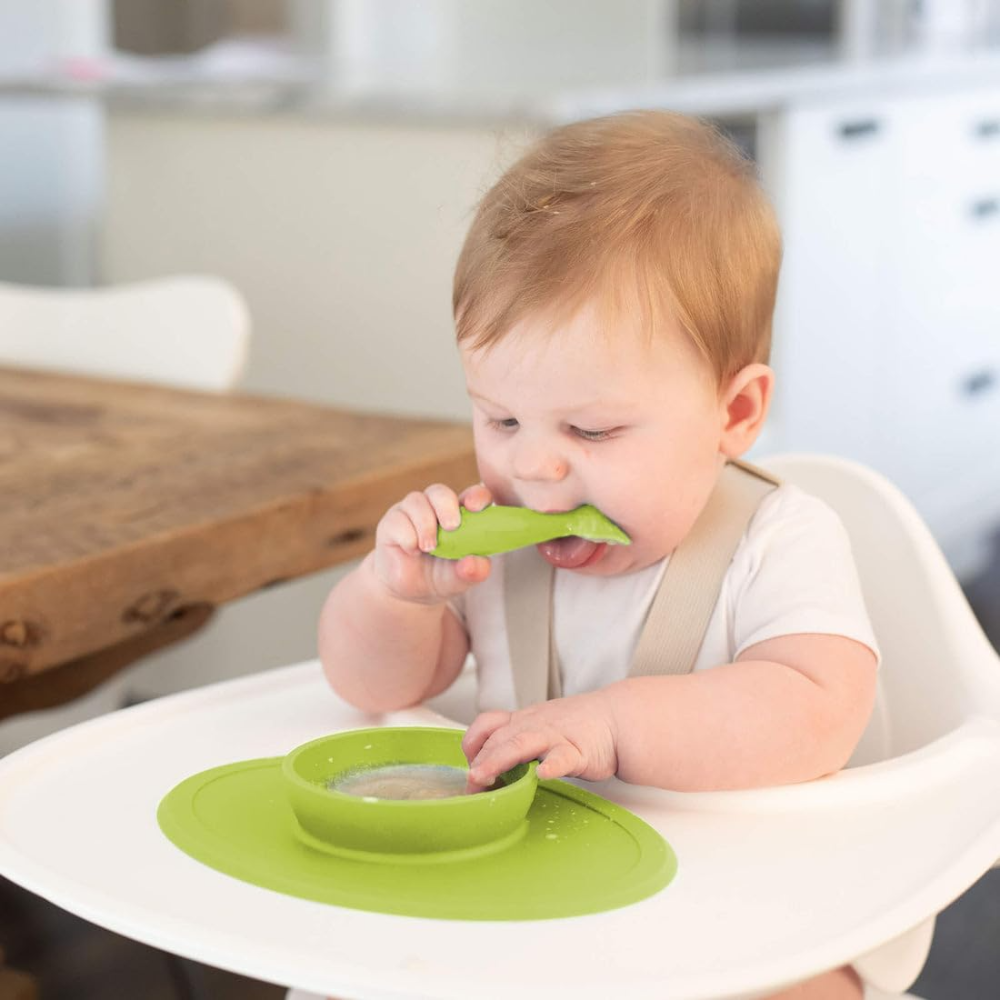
[568,553]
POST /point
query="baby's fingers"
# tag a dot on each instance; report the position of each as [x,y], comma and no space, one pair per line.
[483,727]
[444,502]
[472,569]
[449,577]
[475,497]
[418,508]
[397,528]
[562,759]
[503,750]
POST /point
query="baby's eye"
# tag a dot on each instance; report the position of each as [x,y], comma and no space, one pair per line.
[592,435]
[504,425]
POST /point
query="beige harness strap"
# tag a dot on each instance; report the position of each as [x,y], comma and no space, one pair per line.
[682,607]
[528,580]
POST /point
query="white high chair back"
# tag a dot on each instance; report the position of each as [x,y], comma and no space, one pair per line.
[938,667]
[187,331]
[939,678]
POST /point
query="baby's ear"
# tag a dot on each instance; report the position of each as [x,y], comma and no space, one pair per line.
[745,401]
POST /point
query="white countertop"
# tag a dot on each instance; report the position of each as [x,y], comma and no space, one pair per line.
[752,91]
[706,84]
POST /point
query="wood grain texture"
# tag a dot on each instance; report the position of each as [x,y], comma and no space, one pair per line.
[67,681]
[121,504]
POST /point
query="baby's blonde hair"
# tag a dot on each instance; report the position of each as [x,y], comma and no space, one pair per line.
[650,215]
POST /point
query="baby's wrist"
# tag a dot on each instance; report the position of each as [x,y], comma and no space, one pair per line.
[380,590]
[616,701]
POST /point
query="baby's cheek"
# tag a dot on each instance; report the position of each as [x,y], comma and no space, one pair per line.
[624,502]
[653,530]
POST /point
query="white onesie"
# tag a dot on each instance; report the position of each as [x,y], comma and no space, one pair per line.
[792,572]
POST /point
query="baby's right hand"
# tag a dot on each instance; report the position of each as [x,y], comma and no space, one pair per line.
[408,531]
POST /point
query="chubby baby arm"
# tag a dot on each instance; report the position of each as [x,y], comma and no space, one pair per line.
[790,709]
[386,637]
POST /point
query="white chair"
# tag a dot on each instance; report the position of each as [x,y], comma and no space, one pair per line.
[936,723]
[939,670]
[940,675]
[190,331]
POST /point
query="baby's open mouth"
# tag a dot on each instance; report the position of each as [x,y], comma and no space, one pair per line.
[573,552]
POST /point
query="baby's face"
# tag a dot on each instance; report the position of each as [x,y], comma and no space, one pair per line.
[573,417]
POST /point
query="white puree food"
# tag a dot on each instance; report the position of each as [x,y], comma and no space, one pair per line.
[403,781]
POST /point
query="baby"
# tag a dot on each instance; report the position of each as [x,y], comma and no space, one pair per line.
[613,303]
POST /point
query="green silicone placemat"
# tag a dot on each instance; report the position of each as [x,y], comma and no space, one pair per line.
[581,854]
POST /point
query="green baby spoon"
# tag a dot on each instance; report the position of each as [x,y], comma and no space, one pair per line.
[498,529]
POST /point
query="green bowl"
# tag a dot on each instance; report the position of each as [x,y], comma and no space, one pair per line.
[401,830]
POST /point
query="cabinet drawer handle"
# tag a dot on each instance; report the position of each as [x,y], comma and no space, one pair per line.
[989,128]
[979,382]
[985,208]
[859,128]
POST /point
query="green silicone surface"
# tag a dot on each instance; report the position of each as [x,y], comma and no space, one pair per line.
[579,854]
[348,822]
[497,529]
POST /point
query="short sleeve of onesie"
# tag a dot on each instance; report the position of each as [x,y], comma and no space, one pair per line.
[793,573]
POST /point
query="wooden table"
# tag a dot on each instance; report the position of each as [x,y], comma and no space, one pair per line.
[129,512]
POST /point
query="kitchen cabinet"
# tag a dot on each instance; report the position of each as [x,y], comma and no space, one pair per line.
[887,334]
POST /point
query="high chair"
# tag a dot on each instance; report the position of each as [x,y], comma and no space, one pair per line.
[939,684]
[774,885]
[189,331]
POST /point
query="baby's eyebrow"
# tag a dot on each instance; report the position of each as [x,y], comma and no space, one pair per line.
[618,408]
[617,411]
[479,395]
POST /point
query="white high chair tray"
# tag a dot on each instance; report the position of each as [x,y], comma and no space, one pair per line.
[773,885]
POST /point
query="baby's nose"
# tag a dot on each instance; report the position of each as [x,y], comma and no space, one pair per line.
[535,460]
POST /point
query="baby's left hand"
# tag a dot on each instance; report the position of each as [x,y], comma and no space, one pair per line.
[572,736]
